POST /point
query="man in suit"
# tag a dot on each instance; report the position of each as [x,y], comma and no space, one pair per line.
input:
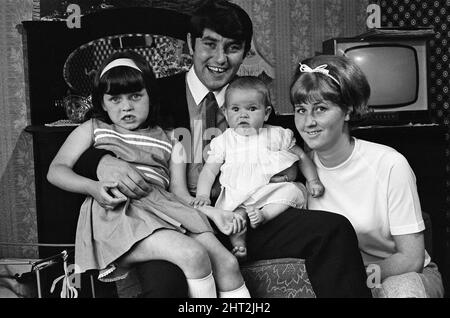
[219,38]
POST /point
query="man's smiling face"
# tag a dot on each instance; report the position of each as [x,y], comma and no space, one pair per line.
[216,59]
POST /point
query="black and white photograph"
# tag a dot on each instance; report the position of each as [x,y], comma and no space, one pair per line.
[253,150]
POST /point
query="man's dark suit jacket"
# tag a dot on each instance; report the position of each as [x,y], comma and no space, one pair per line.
[174,107]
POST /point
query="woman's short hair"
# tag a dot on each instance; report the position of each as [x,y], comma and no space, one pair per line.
[249,82]
[123,80]
[353,89]
[225,18]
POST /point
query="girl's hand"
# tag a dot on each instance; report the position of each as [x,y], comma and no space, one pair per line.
[315,187]
[201,200]
[107,195]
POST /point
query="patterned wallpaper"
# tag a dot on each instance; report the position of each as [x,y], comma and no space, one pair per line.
[17,196]
[436,14]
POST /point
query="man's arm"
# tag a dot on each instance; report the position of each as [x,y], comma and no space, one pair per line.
[99,164]
[87,164]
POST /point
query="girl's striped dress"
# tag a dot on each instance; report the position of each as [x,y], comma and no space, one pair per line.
[104,235]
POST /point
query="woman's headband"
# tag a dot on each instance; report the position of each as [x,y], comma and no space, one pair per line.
[120,62]
[319,69]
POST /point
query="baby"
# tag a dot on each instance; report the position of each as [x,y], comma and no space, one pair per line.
[248,155]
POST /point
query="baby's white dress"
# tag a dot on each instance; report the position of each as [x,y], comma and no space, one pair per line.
[248,164]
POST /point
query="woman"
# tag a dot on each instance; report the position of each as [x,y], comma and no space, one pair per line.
[370,184]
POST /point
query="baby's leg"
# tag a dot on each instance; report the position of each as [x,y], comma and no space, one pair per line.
[264,214]
[183,251]
[225,268]
[238,239]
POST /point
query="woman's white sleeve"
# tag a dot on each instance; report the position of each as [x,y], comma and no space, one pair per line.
[405,213]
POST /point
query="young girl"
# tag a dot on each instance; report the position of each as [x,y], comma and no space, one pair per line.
[114,233]
[249,154]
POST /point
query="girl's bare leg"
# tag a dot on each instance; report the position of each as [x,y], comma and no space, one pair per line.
[225,266]
[190,255]
[174,247]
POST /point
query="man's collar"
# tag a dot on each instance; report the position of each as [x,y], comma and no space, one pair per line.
[199,91]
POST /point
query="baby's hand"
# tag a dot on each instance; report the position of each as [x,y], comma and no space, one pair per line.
[287,175]
[315,187]
[107,194]
[201,200]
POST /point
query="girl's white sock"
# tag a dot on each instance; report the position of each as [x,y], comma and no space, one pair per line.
[202,287]
[241,292]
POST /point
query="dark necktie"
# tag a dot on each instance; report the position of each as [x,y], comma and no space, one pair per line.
[211,109]
[214,117]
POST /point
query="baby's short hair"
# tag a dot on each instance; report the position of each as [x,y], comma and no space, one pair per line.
[249,82]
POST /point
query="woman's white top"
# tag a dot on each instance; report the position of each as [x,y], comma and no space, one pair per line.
[375,188]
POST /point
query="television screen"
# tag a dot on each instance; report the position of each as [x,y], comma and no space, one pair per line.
[392,72]
[397,71]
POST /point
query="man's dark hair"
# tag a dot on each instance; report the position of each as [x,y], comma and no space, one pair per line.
[225,18]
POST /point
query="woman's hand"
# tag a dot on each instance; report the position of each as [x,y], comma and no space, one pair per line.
[201,200]
[129,182]
[315,187]
[106,194]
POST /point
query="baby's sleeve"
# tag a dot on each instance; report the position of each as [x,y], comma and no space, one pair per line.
[287,139]
[216,151]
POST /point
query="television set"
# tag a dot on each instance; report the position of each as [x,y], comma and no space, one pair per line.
[397,71]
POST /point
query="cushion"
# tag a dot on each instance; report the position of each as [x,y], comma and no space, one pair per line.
[277,278]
